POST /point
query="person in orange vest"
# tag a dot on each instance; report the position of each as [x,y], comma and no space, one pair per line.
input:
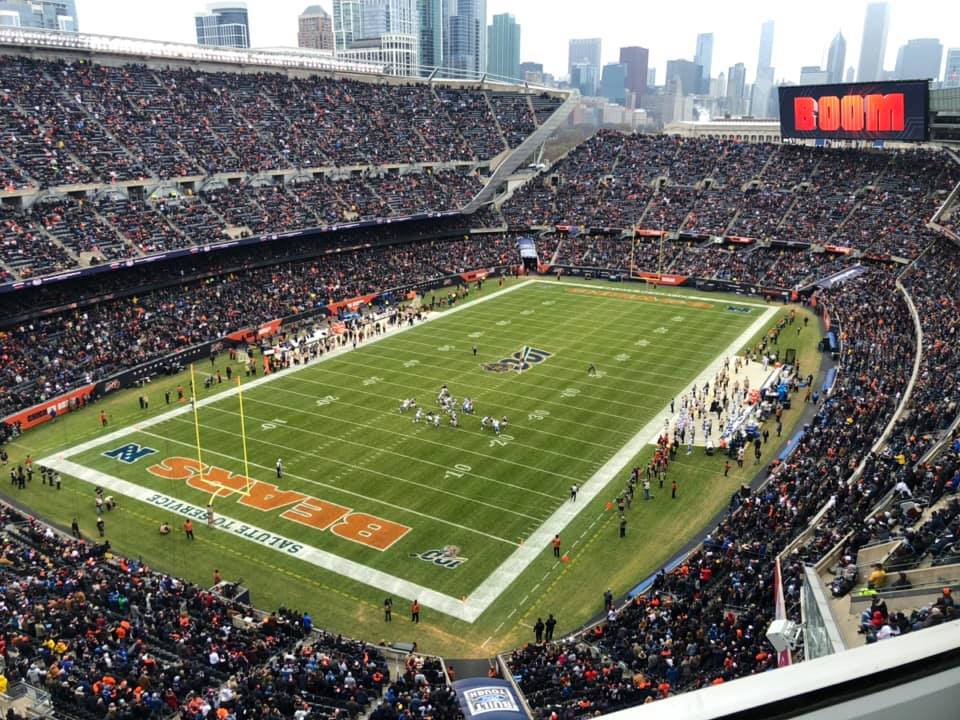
[415,611]
[556,546]
[188,528]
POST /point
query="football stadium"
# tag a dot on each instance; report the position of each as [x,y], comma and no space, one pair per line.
[371,378]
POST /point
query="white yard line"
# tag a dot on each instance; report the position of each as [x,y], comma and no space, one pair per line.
[523,556]
[627,289]
[265,379]
[498,581]
[231,527]
[290,451]
[389,451]
[341,490]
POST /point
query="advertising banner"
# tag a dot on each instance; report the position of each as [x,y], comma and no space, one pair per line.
[489,699]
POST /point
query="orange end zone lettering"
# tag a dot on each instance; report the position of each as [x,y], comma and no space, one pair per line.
[266,496]
[219,482]
[175,468]
[315,513]
[369,530]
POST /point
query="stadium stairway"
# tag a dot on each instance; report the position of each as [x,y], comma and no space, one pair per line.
[58,241]
[496,120]
[517,157]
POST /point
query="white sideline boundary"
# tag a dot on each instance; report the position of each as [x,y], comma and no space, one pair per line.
[520,559]
[634,291]
[500,579]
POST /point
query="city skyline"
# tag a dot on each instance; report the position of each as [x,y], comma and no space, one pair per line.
[549,25]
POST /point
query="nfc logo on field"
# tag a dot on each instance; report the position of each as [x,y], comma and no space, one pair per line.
[520,361]
[129,453]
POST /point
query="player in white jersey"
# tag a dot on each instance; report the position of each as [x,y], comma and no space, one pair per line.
[496,425]
[436,420]
[467,406]
[454,420]
[418,416]
[486,421]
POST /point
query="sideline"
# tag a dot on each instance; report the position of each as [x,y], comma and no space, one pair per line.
[503,576]
[523,556]
[702,298]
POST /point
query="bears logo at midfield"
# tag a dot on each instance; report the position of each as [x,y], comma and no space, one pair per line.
[518,362]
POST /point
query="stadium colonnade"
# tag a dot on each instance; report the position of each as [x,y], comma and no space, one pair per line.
[314,192]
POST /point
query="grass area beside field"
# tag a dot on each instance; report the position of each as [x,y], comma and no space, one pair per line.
[358,452]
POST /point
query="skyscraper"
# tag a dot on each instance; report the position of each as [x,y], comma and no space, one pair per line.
[315,29]
[636,60]
[835,58]
[224,24]
[46,14]
[387,33]
[760,94]
[766,45]
[503,46]
[347,23]
[465,35]
[613,83]
[387,17]
[431,32]
[704,58]
[532,72]
[813,75]
[687,73]
[736,89]
[919,60]
[583,77]
[873,46]
[951,71]
[585,51]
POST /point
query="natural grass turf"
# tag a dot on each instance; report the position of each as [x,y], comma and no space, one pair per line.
[370,437]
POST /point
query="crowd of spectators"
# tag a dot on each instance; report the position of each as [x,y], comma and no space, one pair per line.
[421,690]
[878,202]
[47,356]
[108,637]
[59,232]
[74,122]
[704,622]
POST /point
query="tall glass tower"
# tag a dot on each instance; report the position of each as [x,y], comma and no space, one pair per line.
[465,35]
[347,26]
[225,24]
[503,46]
[704,58]
[873,47]
[46,14]
[430,14]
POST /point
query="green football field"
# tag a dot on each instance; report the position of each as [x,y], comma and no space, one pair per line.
[372,503]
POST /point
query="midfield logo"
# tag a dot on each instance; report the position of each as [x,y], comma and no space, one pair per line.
[520,361]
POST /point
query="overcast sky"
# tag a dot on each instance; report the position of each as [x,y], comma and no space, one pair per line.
[668,28]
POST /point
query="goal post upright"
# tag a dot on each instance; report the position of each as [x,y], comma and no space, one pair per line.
[243,435]
[196,418]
